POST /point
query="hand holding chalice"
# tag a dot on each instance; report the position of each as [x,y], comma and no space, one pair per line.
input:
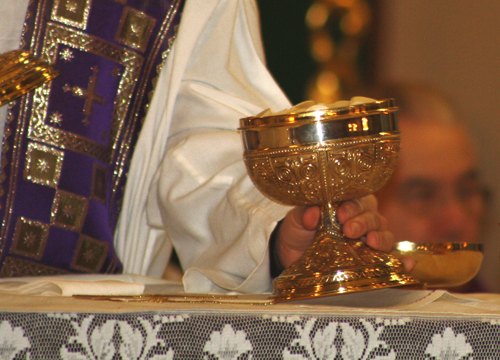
[322,155]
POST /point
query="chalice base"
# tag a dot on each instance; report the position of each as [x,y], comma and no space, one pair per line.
[333,266]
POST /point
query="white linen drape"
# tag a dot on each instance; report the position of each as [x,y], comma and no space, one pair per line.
[187,184]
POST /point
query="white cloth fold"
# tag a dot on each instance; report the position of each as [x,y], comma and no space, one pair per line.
[70,285]
[187,185]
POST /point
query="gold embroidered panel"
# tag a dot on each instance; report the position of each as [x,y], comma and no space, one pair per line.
[43,165]
[30,238]
[68,143]
[72,12]
[59,43]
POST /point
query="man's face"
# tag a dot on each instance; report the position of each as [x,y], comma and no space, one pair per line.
[434,195]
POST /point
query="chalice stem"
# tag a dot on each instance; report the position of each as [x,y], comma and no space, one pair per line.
[329,223]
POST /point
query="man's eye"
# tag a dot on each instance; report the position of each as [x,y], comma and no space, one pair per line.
[419,194]
[468,190]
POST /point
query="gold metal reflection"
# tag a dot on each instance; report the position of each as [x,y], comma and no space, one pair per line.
[443,265]
[21,72]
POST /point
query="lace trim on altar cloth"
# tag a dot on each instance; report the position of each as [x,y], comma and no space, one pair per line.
[182,335]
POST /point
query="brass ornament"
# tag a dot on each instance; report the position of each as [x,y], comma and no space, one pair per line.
[21,72]
[323,156]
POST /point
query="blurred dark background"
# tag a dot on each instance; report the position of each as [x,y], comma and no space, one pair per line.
[324,50]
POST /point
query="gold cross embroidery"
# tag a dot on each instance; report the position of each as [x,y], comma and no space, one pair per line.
[89,94]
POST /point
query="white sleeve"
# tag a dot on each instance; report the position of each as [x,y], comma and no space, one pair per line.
[201,199]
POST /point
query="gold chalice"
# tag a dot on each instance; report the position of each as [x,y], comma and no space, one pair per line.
[322,155]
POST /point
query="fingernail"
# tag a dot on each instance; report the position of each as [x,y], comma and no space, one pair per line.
[344,213]
[354,228]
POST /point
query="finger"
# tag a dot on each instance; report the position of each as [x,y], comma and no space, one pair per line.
[304,217]
[352,208]
[293,233]
[385,241]
[364,223]
[293,237]
[408,263]
[311,217]
[381,240]
[295,216]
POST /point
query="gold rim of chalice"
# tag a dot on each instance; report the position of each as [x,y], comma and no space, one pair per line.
[324,125]
[445,264]
[322,156]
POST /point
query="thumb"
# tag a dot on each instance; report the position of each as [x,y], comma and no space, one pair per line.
[296,233]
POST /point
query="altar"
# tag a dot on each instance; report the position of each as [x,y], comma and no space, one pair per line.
[379,324]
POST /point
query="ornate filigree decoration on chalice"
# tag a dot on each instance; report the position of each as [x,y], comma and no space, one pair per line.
[322,155]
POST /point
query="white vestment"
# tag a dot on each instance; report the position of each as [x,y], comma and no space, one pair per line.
[187,185]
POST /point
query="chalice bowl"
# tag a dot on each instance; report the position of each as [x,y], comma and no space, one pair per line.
[321,155]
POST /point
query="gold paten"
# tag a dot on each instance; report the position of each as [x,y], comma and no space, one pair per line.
[323,157]
[247,299]
[21,72]
[443,265]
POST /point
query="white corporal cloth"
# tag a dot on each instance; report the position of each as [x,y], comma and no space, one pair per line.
[187,185]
